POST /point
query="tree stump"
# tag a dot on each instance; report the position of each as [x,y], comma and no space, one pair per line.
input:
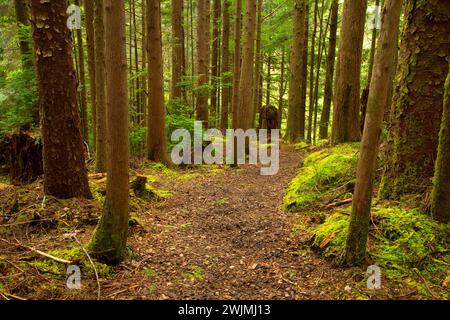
[138,185]
[4,155]
[269,118]
[25,158]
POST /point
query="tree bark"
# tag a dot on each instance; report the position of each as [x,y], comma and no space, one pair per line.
[90,40]
[417,107]
[347,86]
[23,20]
[177,50]
[110,237]
[203,40]
[378,94]
[156,140]
[311,75]
[257,88]
[226,85]
[328,93]
[215,60]
[246,78]
[296,109]
[100,161]
[236,63]
[440,203]
[65,174]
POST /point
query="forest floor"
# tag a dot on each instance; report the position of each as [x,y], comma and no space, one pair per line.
[215,233]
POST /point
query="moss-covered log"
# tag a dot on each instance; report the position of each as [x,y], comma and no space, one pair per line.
[417,107]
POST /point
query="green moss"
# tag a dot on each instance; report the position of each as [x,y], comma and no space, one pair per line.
[321,174]
[150,273]
[403,242]
[196,273]
[159,167]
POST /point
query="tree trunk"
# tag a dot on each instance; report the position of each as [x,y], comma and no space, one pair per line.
[215,60]
[203,40]
[268,78]
[65,174]
[100,163]
[328,93]
[417,107]
[177,50]
[311,75]
[378,94]
[257,88]
[23,20]
[82,83]
[296,109]
[25,158]
[90,40]
[281,87]
[236,64]
[347,86]
[110,237]
[246,79]
[440,203]
[225,65]
[156,140]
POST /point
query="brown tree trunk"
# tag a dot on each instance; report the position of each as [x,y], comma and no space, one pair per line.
[82,84]
[23,19]
[281,86]
[440,203]
[311,74]
[100,163]
[65,174]
[177,50]
[25,158]
[296,109]
[417,107]
[268,78]
[246,78]
[328,93]
[237,63]
[378,94]
[347,85]
[90,40]
[110,237]
[156,140]
[226,85]
[203,40]
[215,60]
[257,88]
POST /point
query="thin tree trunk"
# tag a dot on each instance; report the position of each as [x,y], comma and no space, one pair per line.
[311,74]
[65,174]
[110,237]
[347,87]
[225,65]
[177,50]
[100,163]
[23,20]
[282,87]
[90,40]
[215,60]
[268,78]
[355,250]
[328,93]
[236,63]
[258,63]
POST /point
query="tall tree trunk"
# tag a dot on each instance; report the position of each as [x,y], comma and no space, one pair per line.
[268,78]
[215,60]
[65,174]
[378,94]
[177,50]
[347,85]
[440,203]
[305,71]
[203,40]
[90,40]
[100,163]
[328,93]
[156,140]
[416,117]
[281,86]
[296,109]
[225,65]
[236,63]
[258,63]
[144,95]
[82,83]
[137,81]
[311,74]
[110,237]
[23,20]
[246,79]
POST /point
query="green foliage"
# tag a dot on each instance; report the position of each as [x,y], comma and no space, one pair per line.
[403,242]
[321,174]
[174,122]
[138,136]
[18,99]
[195,273]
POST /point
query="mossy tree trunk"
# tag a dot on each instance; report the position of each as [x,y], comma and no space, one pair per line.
[296,107]
[110,237]
[347,84]
[65,174]
[378,95]
[440,205]
[156,140]
[417,103]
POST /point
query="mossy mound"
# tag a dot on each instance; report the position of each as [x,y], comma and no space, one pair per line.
[323,172]
[405,243]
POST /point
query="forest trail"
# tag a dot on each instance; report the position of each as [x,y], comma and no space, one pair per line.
[225,236]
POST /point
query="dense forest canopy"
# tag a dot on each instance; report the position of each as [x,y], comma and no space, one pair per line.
[196,146]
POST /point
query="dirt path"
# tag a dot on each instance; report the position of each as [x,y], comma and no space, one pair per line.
[225,236]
